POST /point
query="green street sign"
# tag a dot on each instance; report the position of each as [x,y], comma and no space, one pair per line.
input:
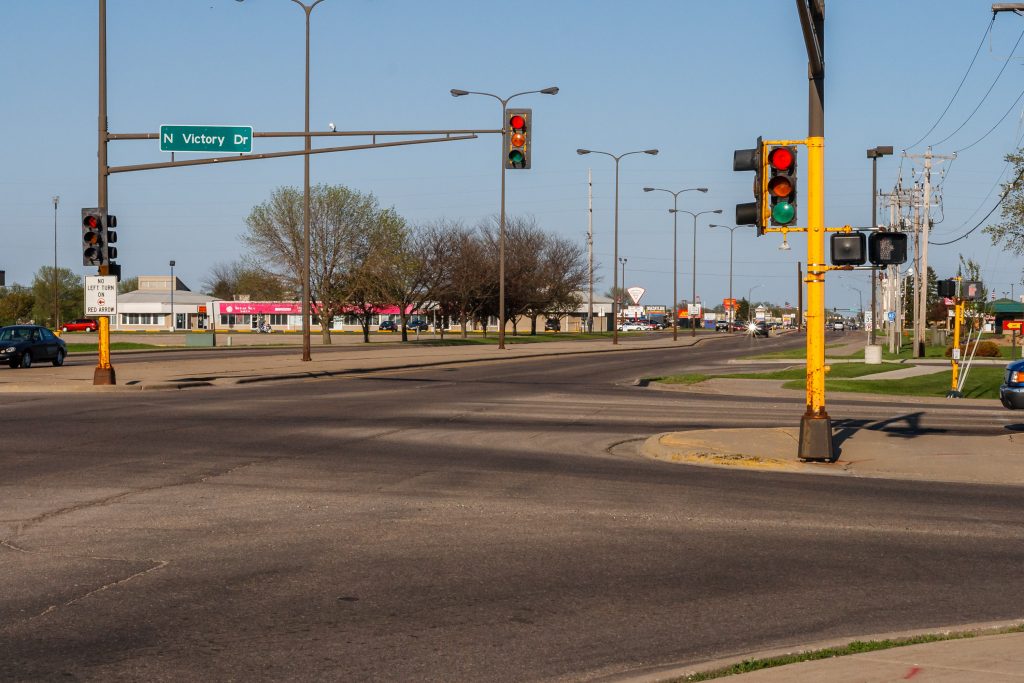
[231,139]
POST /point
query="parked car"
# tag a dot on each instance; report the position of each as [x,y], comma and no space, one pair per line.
[629,326]
[80,325]
[418,325]
[839,326]
[22,345]
[1011,392]
[721,326]
[387,326]
[552,325]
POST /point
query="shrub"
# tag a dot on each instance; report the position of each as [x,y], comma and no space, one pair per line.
[986,349]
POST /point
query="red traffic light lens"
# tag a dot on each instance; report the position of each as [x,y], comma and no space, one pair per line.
[517,122]
[781,158]
[90,222]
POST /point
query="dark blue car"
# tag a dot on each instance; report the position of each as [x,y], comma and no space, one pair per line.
[1011,392]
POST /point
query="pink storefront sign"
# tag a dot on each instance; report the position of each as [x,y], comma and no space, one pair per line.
[260,307]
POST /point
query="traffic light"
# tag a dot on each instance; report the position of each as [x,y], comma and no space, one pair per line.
[109,237]
[848,249]
[972,289]
[93,221]
[518,127]
[751,213]
[887,248]
[947,288]
[782,185]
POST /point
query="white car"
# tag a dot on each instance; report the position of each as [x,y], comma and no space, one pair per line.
[630,327]
[838,326]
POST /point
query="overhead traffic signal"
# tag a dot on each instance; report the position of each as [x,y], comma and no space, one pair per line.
[97,237]
[518,128]
[751,213]
[887,248]
[93,221]
[781,186]
[848,249]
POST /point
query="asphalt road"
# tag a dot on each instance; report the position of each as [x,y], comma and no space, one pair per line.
[487,522]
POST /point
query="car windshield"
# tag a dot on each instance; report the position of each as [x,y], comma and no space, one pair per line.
[15,333]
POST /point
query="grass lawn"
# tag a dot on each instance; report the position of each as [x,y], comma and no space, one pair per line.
[116,346]
[456,340]
[982,381]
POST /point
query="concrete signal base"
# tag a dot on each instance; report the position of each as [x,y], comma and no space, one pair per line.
[816,439]
[104,376]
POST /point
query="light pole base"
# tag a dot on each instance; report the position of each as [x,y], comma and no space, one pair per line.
[816,439]
[104,376]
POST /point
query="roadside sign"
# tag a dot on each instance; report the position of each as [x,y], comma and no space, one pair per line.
[891,315]
[100,295]
[1011,325]
[636,293]
[231,139]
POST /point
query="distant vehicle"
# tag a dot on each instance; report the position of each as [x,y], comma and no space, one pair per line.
[757,328]
[721,326]
[629,326]
[839,326]
[387,326]
[80,325]
[21,345]
[418,325]
[552,325]
[1011,392]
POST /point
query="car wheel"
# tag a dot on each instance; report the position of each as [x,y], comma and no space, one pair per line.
[58,360]
[26,360]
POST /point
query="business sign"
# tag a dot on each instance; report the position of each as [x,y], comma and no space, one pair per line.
[1011,325]
[693,310]
[636,293]
[100,295]
[226,139]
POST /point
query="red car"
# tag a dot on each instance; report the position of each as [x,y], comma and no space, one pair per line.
[80,325]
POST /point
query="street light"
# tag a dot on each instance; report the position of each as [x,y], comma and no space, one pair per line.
[693,327]
[615,286]
[173,322]
[305,198]
[860,300]
[675,270]
[56,308]
[732,231]
[873,154]
[622,260]
[501,220]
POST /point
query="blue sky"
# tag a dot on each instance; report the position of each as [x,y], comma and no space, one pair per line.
[695,79]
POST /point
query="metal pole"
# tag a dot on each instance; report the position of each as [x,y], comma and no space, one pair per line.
[306,284]
[693,300]
[874,270]
[501,234]
[590,249]
[173,321]
[104,373]
[675,269]
[56,308]
[615,283]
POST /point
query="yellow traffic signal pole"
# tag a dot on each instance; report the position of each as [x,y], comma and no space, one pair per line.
[958,314]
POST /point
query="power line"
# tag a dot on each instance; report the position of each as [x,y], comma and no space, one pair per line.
[987,92]
[1001,119]
[984,35]
[985,218]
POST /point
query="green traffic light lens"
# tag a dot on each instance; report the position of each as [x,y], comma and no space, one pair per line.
[516,157]
[783,213]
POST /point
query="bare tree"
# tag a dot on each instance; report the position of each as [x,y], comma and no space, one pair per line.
[231,281]
[342,221]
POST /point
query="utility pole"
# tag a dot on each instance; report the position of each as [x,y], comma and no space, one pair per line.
[799,296]
[590,250]
[923,228]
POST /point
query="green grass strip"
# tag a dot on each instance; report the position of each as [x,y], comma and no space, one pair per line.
[852,648]
[982,382]
[116,346]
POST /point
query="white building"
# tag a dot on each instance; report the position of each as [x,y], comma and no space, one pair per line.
[148,308]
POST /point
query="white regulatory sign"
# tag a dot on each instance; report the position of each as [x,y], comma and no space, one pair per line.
[100,295]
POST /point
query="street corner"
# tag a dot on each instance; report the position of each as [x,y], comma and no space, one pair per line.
[773,449]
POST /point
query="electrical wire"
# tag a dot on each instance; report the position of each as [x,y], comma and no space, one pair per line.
[988,30]
[985,96]
[985,218]
[1001,119]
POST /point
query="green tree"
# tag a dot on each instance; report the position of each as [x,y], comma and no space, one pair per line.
[127,285]
[341,220]
[69,298]
[1010,232]
[16,304]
